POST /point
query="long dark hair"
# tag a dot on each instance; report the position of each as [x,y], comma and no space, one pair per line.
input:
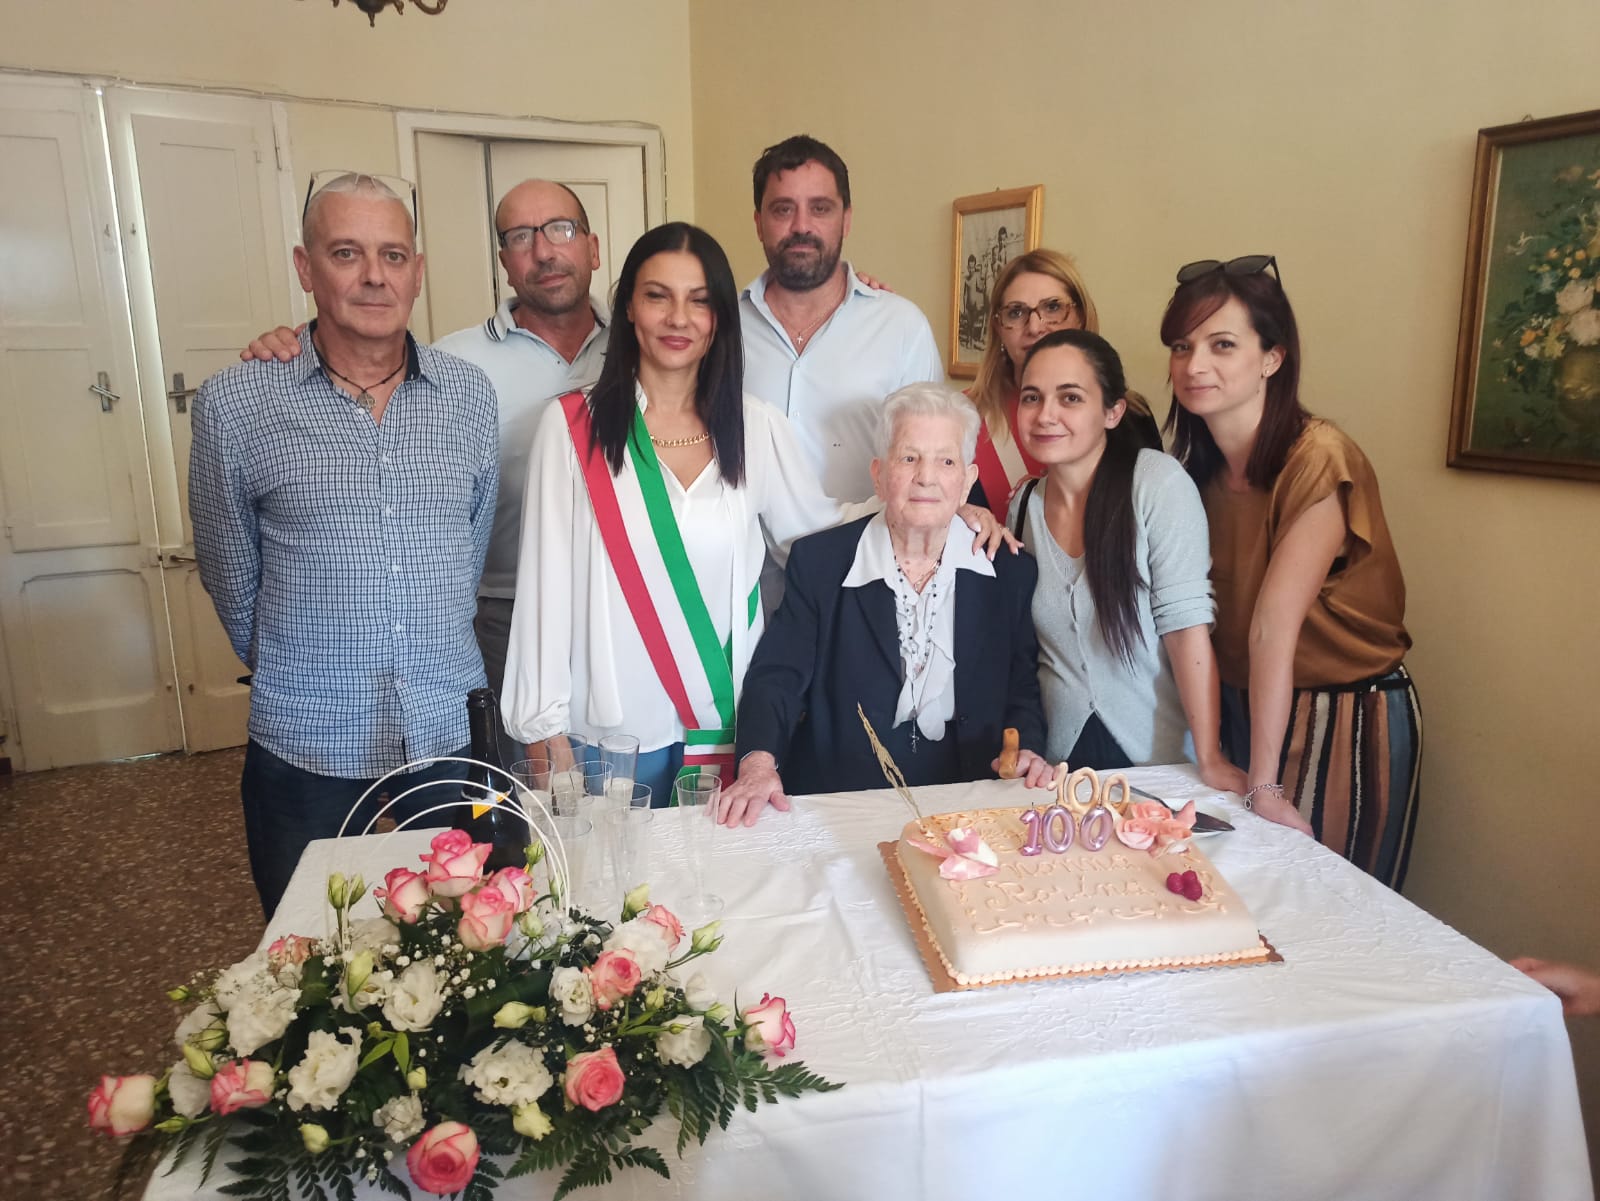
[719,388]
[1283,417]
[1109,533]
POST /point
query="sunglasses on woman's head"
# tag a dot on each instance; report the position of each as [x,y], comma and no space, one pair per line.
[1245,264]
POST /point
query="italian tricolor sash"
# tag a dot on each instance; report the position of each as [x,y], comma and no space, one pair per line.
[1002,468]
[694,666]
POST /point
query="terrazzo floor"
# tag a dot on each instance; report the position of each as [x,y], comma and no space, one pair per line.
[124,880]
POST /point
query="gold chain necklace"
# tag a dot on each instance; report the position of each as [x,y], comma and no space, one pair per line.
[675,442]
[800,338]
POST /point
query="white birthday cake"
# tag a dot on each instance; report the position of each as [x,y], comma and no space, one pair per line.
[999,906]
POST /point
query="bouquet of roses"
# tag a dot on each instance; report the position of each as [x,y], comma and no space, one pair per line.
[474,1023]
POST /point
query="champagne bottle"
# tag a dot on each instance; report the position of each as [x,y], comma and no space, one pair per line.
[498,825]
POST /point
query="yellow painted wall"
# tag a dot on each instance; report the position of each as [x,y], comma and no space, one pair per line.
[626,60]
[1340,137]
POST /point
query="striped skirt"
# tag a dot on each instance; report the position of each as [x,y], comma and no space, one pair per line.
[1351,761]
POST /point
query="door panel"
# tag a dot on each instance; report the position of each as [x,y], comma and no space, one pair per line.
[82,610]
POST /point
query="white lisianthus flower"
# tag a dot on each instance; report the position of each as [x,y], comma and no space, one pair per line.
[330,1063]
[570,989]
[531,1122]
[698,993]
[415,999]
[257,1019]
[374,990]
[512,1075]
[400,1118]
[190,1094]
[684,1042]
[373,934]
[250,974]
[1576,296]
[646,940]
[1585,327]
[202,1027]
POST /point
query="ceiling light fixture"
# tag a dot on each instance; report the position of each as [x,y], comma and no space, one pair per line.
[373,7]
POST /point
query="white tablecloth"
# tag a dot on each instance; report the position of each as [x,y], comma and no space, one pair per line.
[1386,1057]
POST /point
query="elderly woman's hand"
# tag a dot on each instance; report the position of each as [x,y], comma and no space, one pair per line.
[1033,770]
[757,787]
[990,533]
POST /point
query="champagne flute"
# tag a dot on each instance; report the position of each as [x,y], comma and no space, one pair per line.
[699,797]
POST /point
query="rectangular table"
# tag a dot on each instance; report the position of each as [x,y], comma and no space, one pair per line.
[1386,1057]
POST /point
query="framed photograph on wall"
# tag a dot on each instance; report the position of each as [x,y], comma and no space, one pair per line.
[991,229]
[1527,388]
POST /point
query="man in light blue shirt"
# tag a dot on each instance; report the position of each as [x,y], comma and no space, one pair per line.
[342,505]
[818,342]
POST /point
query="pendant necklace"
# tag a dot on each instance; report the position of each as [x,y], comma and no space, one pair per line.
[800,338]
[364,396]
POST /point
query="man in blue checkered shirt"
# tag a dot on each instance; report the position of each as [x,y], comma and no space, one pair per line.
[342,505]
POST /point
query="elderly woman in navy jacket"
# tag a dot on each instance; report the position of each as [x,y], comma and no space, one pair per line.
[897,613]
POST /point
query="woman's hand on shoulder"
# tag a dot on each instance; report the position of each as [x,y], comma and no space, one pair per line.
[758,786]
[991,534]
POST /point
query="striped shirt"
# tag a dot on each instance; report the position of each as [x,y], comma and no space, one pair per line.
[343,554]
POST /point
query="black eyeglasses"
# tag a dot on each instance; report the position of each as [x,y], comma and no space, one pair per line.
[402,190]
[1245,264]
[558,232]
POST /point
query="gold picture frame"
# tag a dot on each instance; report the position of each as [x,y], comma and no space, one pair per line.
[1527,381]
[991,229]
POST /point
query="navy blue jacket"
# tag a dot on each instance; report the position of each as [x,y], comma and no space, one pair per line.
[829,647]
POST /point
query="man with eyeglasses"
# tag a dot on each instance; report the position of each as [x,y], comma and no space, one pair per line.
[548,338]
[342,504]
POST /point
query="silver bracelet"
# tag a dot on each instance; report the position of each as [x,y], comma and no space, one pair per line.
[1249,797]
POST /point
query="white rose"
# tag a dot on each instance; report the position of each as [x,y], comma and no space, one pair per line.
[373,934]
[190,1094]
[249,975]
[1576,296]
[698,994]
[684,1042]
[512,1075]
[330,1063]
[258,1019]
[1585,327]
[400,1117]
[203,1027]
[569,988]
[415,1000]
[646,940]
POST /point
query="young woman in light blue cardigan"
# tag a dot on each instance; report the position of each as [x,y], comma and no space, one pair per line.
[1124,604]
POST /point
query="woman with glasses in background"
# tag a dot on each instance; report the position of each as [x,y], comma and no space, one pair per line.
[1123,607]
[1317,704]
[1035,293]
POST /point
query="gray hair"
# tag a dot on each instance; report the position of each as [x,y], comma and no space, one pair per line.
[351,183]
[929,400]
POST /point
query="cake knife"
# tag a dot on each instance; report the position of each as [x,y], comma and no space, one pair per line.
[1204,823]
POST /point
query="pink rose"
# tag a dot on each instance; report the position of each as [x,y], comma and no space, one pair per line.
[404,894]
[455,864]
[1139,832]
[241,1084]
[515,884]
[443,1159]
[1148,811]
[291,948]
[122,1104]
[768,1026]
[594,1079]
[614,975]
[486,917]
[671,927]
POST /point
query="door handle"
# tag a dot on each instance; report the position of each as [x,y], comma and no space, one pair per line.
[179,396]
[102,388]
[172,558]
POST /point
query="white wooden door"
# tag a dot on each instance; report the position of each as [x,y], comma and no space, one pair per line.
[460,180]
[82,611]
[200,198]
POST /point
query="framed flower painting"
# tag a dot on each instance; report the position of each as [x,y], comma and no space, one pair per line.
[1527,387]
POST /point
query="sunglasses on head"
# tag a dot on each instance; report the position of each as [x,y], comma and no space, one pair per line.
[1245,264]
[400,189]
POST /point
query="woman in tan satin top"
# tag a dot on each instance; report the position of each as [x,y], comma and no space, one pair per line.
[1310,636]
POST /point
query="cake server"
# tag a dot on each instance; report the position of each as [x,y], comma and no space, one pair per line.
[1204,823]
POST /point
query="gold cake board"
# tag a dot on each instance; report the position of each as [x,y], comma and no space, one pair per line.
[943,981]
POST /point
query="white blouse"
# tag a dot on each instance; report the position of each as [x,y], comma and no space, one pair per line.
[576,661]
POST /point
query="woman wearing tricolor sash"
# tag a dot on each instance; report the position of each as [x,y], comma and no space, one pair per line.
[652,503]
